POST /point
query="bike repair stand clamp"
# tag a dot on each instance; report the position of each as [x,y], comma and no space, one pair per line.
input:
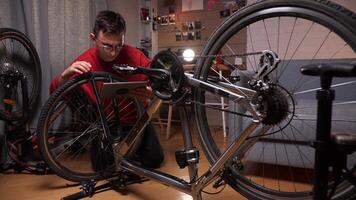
[190,155]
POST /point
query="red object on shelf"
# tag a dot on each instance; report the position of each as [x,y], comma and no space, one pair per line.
[145,14]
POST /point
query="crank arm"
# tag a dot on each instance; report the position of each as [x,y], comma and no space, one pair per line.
[157,74]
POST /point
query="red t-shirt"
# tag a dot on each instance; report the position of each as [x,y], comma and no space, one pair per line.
[129,56]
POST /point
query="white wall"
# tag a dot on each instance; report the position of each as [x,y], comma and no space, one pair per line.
[349,4]
[310,44]
[130,11]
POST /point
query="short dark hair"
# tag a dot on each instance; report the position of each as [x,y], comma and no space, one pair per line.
[109,22]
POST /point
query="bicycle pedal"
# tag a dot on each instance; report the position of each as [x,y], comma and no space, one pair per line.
[220,182]
[127,179]
[88,188]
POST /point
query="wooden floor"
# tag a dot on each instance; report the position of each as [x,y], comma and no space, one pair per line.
[35,187]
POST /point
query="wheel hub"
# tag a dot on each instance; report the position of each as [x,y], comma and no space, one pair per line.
[273,103]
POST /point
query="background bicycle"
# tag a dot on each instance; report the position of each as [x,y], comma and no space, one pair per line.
[20,81]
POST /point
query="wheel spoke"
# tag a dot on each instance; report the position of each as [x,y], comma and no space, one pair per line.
[73,130]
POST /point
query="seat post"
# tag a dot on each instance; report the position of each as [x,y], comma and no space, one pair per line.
[324,144]
[325,97]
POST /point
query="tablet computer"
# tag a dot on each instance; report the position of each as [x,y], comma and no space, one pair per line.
[112,89]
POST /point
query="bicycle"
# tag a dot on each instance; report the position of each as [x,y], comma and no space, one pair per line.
[19,60]
[274,109]
[338,146]
[20,80]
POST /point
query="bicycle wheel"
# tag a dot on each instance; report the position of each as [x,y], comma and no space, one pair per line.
[277,164]
[71,132]
[18,57]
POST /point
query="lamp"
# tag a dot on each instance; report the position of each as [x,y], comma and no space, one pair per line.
[188,55]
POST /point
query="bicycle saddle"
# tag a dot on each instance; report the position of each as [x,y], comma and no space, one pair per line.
[330,69]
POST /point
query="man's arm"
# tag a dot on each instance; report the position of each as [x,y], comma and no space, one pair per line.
[77,67]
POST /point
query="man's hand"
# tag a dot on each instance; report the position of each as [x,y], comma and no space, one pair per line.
[142,94]
[78,67]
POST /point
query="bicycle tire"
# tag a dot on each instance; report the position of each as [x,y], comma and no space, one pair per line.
[322,14]
[18,51]
[69,127]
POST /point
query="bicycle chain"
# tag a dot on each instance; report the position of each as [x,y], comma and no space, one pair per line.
[225,56]
[221,109]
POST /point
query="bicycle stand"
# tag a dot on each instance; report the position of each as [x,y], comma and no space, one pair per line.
[89,188]
[337,146]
